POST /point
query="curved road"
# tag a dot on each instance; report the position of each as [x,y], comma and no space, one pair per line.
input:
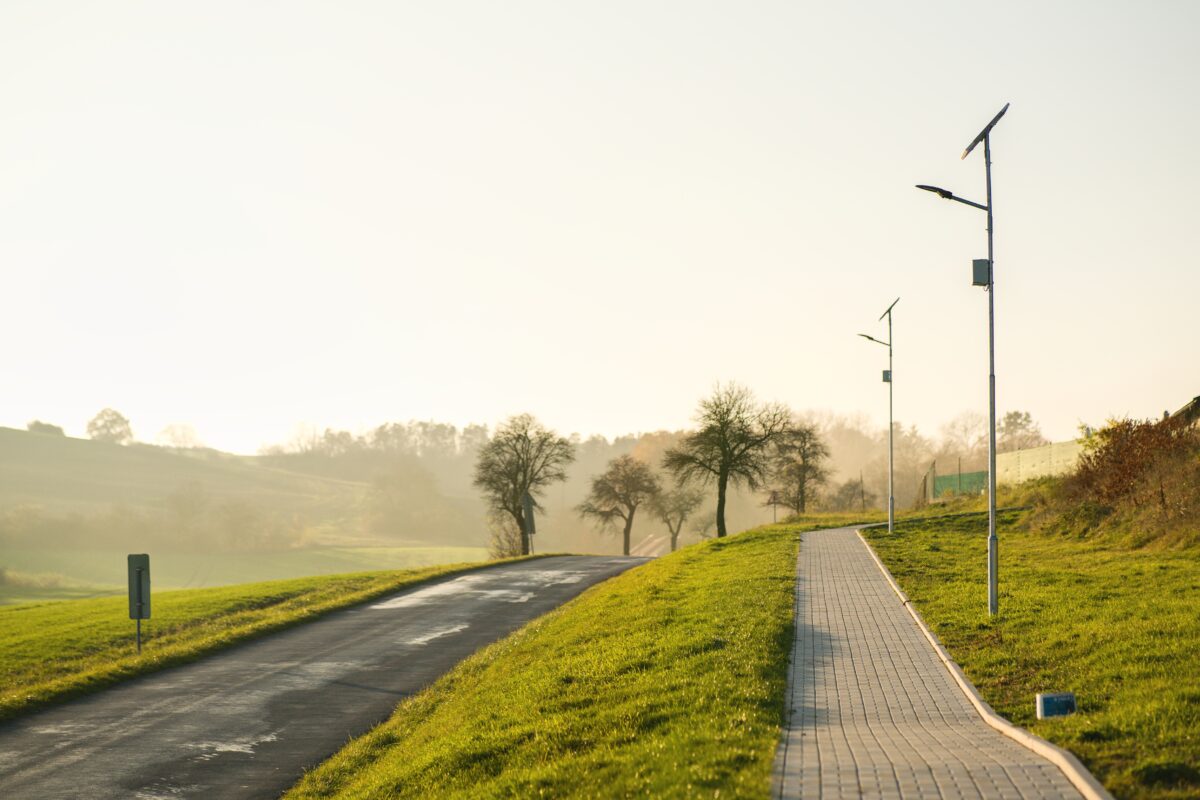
[246,722]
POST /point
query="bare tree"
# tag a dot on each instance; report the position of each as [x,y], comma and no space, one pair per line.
[618,492]
[522,457]
[110,426]
[179,434]
[1018,431]
[505,537]
[852,495]
[732,445]
[674,507]
[799,466]
[913,454]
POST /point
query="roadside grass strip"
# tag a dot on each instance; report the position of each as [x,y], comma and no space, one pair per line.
[666,681]
[1117,626]
[52,651]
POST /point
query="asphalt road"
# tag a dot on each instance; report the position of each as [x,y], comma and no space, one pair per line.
[246,722]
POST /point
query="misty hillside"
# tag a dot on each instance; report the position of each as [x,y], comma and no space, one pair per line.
[60,474]
[71,509]
[400,494]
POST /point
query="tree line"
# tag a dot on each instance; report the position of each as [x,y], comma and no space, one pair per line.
[424,479]
[738,442]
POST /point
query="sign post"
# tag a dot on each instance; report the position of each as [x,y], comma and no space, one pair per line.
[139,591]
[530,527]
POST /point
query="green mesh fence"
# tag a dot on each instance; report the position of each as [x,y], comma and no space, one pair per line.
[966,483]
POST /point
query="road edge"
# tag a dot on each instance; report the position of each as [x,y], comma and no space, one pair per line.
[1065,760]
[104,682]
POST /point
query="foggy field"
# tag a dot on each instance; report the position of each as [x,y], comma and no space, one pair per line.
[63,474]
[666,681]
[1116,625]
[95,573]
[56,650]
[399,496]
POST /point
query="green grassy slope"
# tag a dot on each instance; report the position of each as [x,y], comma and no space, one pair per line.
[57,650]
[1117,626]
[63,474]
[666,681]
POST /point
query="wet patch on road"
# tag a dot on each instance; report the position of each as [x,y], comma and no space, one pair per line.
[437,633]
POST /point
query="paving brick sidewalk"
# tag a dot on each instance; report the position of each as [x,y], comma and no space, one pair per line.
[874,712]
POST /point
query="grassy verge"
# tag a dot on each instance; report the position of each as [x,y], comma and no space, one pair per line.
[832,519]
[57,650]
[667,681]
[1119,627]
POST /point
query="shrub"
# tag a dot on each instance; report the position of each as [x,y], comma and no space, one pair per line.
[1138,463]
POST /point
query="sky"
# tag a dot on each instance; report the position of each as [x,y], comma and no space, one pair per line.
[253,216]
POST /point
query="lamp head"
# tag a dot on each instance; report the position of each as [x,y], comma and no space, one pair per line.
[945,194]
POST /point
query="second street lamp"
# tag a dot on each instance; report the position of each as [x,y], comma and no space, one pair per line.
[888,379]
[984,276]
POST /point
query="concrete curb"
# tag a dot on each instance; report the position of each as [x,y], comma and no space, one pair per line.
[1076,773]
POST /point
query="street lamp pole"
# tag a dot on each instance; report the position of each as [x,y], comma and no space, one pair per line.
[891,376]
[993,542]
[987,280]
[889,379]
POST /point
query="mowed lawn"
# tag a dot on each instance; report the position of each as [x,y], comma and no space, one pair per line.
[666,681]
[1119,627]
[59,649]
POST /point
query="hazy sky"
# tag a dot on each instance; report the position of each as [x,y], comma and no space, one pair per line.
[249,215]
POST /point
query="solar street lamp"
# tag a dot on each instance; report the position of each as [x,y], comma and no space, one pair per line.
[983,274]
[887,378]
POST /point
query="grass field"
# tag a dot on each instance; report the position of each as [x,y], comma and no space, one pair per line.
[57,650]
[93,573]
[1119,627]
[666,681]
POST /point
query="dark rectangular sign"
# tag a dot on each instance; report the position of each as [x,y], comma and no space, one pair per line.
[139,586]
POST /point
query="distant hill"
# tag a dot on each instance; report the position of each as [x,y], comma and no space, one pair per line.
[71,509]
[60,474]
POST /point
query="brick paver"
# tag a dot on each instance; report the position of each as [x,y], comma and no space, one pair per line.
[873,711]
